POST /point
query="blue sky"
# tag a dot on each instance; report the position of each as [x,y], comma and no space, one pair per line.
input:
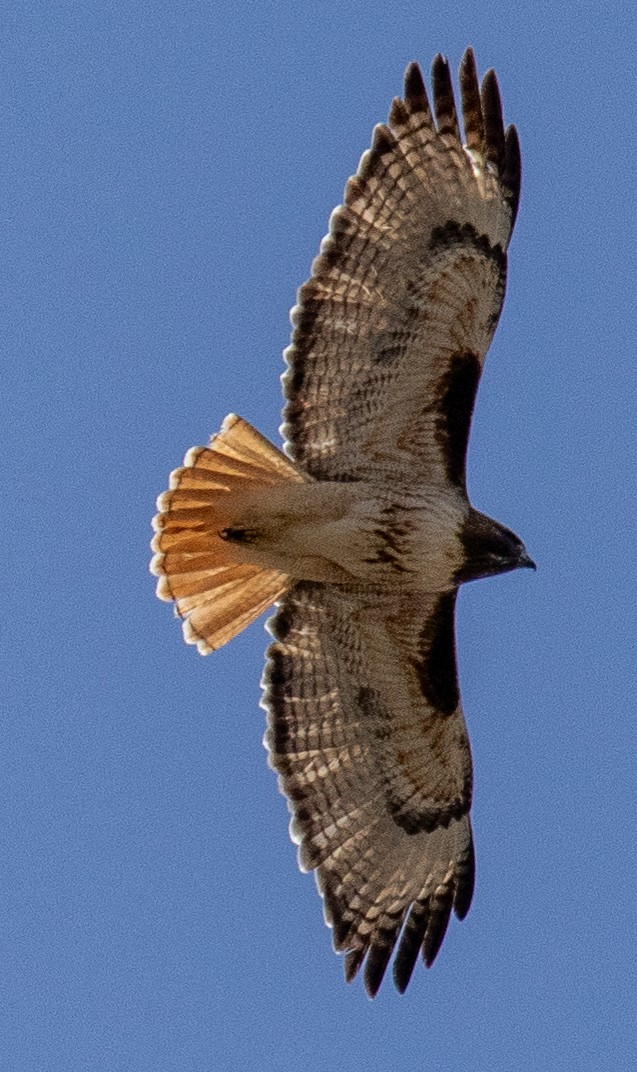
[166,175]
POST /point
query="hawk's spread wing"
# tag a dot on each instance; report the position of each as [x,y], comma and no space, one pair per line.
[368,737]
[391,330]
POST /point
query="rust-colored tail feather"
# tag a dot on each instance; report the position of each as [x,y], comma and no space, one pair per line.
[216,595]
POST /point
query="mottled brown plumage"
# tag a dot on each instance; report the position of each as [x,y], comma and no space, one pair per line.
[364,532]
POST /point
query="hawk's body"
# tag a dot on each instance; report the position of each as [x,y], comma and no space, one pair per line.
[365,536]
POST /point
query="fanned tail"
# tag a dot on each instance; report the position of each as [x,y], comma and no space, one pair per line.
[216,595]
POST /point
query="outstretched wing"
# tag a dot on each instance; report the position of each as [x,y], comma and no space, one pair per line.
[368,737]
[391,330]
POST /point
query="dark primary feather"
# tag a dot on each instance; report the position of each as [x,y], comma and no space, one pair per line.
[416,99]
[444,101]
[512,170]
[435,664]
[458,388]
[495,146]
[474,121]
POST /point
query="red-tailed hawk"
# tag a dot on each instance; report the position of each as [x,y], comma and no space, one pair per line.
[362,531]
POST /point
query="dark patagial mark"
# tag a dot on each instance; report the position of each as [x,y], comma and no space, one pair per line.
[435,664]
[458,389]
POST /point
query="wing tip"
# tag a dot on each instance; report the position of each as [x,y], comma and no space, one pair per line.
[440,913]
[415,92]
[472,111]
[465,879]
[410,945]
[383,144]
[512,169]
[443,96]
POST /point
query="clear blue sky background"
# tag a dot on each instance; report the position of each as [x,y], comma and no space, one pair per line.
[166,174]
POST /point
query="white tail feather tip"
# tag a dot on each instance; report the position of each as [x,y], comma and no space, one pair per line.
[164,591]
[191,638]
[190,458]
[156,564]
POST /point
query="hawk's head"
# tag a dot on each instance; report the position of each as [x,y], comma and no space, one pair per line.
[489,548]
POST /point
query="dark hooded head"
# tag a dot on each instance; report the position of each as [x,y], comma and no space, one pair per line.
[490,548]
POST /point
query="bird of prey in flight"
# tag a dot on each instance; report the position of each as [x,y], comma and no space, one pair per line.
[361,530]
